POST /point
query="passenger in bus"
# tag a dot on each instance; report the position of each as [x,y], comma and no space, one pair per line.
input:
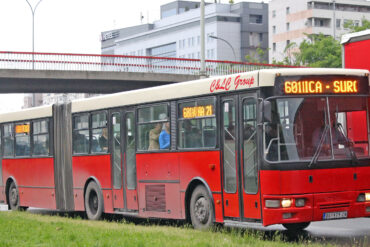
[103,140]
[154,137]
[164,137]
[192,135]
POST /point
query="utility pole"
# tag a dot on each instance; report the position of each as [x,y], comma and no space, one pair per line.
[33,10]
[202,42]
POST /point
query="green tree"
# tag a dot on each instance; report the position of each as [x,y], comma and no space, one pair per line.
[317,50]
[258,56]
[365,24]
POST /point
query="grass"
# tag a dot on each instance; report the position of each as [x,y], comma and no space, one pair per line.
[26,229]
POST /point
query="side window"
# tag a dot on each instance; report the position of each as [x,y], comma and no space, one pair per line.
[81,134]
[22,139]
[116,150]
[1,139]
[197,124]
[130,151]
[250,146]
[8,140]
[99,131]
[41,137]
[153,128]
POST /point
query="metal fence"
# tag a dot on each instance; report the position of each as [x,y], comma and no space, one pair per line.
[121,63]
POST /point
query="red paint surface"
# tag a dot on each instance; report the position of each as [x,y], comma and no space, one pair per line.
[84,167]
[336,188]
[356,55]
[34,178]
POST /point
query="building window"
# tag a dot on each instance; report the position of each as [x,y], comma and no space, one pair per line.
[274,13]
[287,42]
[255,19]
[287,26]
[273,29]
[261,37]
[273,46]
[338,23]
[287,10]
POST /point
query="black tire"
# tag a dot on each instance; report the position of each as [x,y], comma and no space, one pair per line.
[296,227]
[201,209]
[13,197]
[94,203]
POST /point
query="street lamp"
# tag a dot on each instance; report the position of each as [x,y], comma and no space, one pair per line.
[33,10]
[232,48]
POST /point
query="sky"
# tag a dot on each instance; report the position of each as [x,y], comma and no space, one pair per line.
[67,26]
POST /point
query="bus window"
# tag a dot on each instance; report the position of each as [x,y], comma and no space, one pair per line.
[116,150]
[153,128]
[130,151]
[250,146]
[41,137]
[81,137]
[22,139]
[349,121]
[197,124]
[229,140]
[99,137]
[319,128]
[8,138]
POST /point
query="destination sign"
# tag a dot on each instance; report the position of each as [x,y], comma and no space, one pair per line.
[197,111]
[323,85]
[22,129]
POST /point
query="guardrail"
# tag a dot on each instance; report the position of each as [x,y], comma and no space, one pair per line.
[122,63]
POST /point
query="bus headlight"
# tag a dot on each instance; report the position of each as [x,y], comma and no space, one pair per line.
[363,197]
[367,197]
[286,203]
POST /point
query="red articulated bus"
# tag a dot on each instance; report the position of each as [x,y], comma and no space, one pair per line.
[281,146]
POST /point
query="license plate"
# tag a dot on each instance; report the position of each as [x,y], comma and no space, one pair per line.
[335,215]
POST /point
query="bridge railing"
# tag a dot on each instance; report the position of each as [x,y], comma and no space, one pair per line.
[122,63]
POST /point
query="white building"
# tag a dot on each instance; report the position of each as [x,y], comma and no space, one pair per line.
[289,20]
[177,34]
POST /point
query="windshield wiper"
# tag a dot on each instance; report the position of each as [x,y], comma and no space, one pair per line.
[318,149]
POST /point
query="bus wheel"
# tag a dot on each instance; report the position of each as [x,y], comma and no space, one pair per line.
[94,201]
[201,210]
[296,226]
[13,197]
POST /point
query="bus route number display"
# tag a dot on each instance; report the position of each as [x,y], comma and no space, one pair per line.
[197,111]
[322,85]
[22,129]
[317,87]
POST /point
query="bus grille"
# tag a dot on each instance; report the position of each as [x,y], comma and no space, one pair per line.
[335,205]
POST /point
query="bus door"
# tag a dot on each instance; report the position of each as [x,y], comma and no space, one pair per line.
[123,160]
[239,157]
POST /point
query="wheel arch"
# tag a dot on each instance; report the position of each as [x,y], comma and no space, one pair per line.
[189,191]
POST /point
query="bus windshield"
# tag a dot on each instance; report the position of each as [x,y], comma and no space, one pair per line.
[317,128]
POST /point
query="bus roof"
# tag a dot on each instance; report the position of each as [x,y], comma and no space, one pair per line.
[208,86]
[30,113]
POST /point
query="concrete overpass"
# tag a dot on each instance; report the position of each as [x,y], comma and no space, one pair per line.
[59,81]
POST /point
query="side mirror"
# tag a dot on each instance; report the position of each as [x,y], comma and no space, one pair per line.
[267,111]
